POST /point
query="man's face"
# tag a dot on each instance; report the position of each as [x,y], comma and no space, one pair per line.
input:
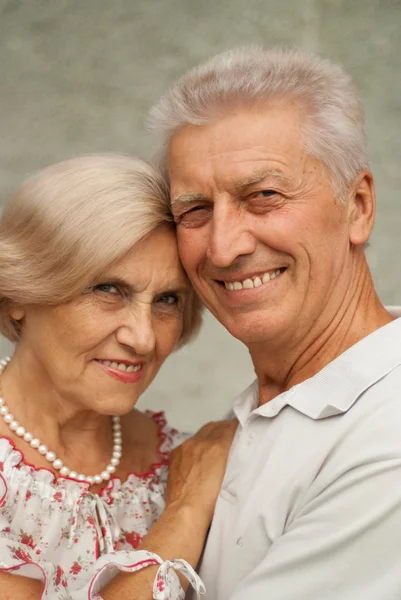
[260,233]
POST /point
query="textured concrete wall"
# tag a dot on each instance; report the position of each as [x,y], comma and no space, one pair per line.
[77,76]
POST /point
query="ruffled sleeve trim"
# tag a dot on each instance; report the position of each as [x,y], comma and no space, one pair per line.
[19,560]
[166,584]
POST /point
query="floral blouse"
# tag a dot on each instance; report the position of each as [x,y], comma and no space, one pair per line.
[75,541]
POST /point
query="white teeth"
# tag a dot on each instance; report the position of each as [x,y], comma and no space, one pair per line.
[121,366]
[248,284]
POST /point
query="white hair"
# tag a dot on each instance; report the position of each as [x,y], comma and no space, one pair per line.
[334,129]
[68,223]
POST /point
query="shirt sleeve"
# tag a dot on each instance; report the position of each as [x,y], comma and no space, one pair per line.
[345,542]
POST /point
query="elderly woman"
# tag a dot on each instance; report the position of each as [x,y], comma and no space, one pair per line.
[94,296]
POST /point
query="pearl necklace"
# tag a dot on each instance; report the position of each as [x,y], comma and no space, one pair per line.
[56,462]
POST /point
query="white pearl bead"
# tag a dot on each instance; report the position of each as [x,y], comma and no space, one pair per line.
[51,456]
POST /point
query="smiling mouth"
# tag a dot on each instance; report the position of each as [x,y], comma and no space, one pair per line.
[252,282]
[124,368]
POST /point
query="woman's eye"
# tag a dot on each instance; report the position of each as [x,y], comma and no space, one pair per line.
[106,288]
[169,299]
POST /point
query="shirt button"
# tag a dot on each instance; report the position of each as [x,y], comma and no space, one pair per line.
[251,438]
[239,542]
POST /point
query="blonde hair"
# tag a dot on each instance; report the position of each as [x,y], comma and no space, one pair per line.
[334,130]
[66,225]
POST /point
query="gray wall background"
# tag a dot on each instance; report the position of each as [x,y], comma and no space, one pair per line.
[78,76]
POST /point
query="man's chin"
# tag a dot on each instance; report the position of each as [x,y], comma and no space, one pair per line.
[251,332]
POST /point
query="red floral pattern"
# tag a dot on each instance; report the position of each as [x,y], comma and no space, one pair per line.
[63,530]
[133,538]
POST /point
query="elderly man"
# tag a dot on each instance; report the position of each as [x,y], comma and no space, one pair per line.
[274,203]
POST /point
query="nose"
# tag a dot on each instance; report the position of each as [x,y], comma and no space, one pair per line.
[137,330]
[229,236]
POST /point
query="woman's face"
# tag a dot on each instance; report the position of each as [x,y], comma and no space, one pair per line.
[101,350]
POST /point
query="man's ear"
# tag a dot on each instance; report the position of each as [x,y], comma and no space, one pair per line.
[362,208]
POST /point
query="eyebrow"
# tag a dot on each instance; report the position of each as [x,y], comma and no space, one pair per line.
[187,198]
[179,286]
[258,177]
[239,186]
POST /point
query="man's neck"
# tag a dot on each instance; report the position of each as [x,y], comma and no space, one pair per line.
[279,368]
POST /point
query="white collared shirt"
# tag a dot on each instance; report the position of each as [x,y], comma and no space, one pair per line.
[310,507]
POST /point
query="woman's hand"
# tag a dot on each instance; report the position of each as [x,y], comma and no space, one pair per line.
[196,467]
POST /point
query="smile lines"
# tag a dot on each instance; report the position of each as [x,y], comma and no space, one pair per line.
[253,282]
[121,366]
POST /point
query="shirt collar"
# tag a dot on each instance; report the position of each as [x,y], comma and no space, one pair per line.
[335,388]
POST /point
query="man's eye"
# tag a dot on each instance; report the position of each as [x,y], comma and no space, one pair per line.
[194,209]
[263,201]
[266,193]
[195,216]
[190,212]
